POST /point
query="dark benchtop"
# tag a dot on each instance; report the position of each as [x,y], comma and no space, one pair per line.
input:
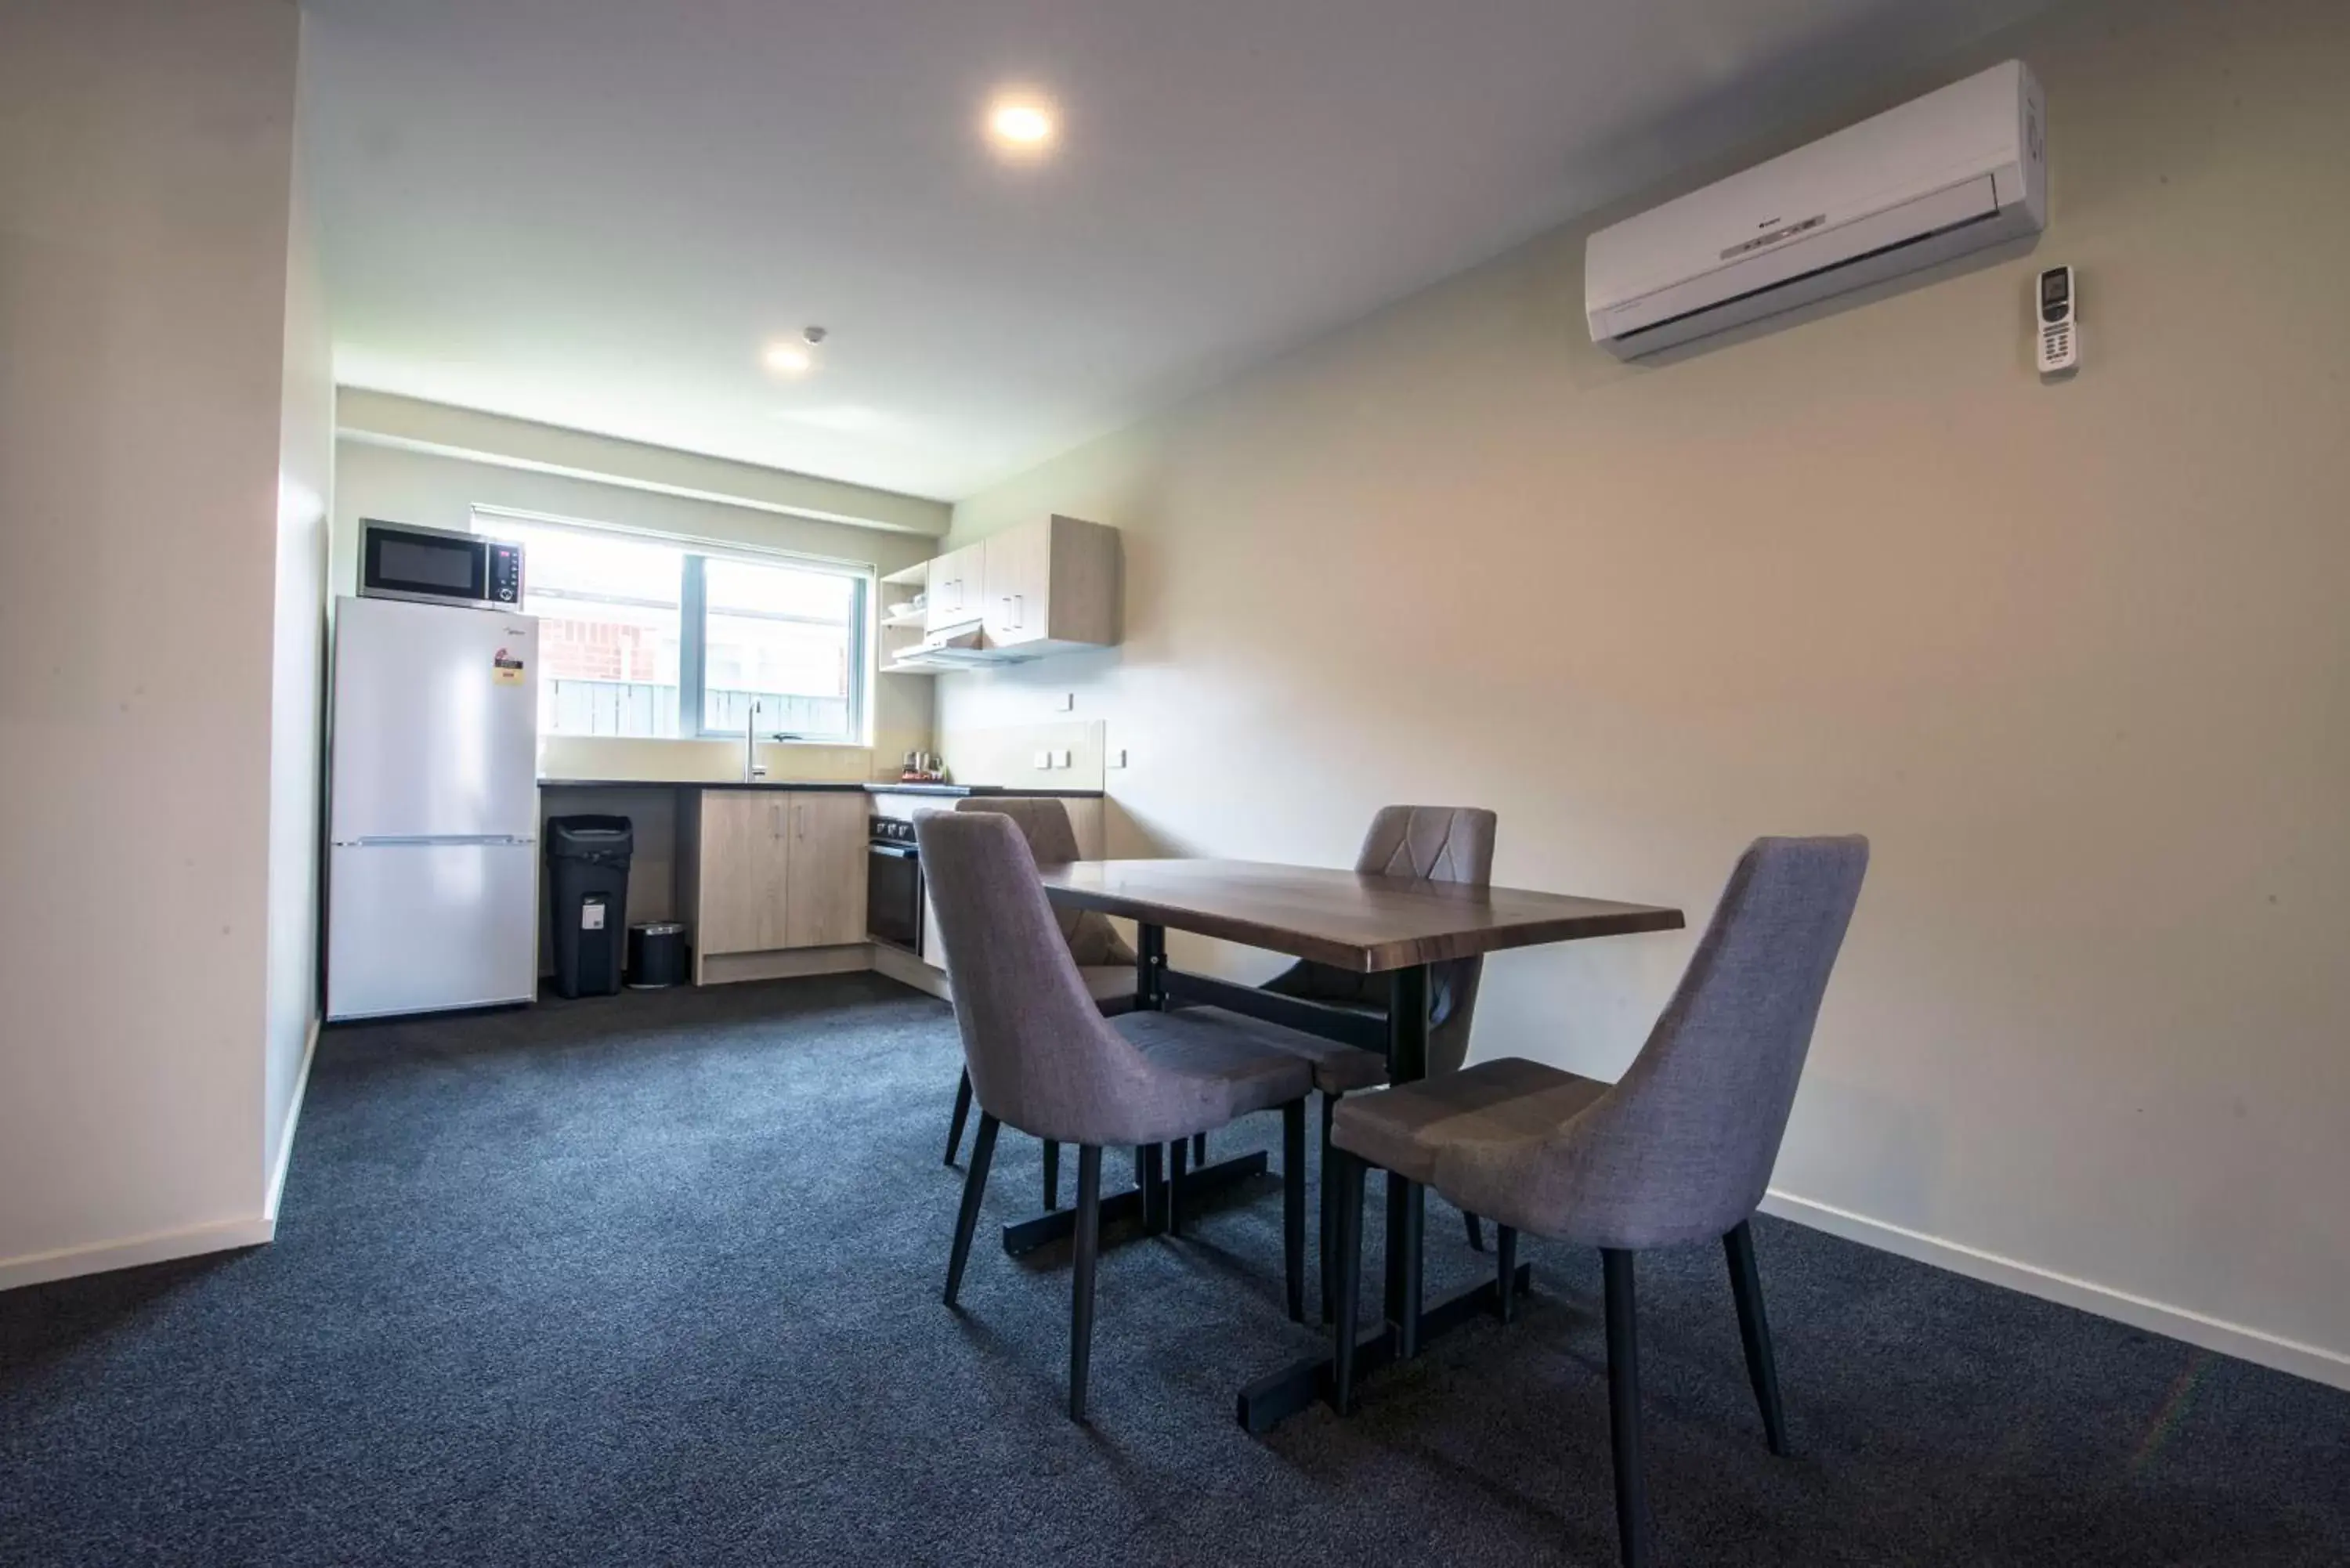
[804,786]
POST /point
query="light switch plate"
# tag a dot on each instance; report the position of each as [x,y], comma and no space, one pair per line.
[1061,759]
[1043,759]
[1068,701]
[1118,758]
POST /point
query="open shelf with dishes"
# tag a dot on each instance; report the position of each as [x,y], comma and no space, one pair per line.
[904,613]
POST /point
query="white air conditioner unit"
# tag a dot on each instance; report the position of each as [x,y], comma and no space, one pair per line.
[1953,172]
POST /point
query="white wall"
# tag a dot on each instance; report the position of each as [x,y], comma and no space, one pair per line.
[2073,656]
[306,472]
[145,161]
[440,491]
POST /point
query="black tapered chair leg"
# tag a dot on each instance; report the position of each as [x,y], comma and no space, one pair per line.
[1081,1284]
[1152,1157]
[1178,1166]
[1326,1243]
[1345,1172]
[1505,1252]
[1623,1410]
[974,1186]
[1476,1231]
[1052,1174]
[1408,1200]
[1293,1206]
[1754,1332]
[1200,1149]
[961,1114]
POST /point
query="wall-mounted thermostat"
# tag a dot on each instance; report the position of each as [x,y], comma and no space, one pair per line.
[2060,335]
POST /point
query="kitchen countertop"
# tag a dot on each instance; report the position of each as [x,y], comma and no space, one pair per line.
[801,784]
[958,790]
[832,786]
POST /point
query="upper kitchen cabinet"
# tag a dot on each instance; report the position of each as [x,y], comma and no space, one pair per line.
[957,587]
[1048,587]
[1051,583]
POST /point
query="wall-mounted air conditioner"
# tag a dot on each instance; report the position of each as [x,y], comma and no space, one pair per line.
[1953,172]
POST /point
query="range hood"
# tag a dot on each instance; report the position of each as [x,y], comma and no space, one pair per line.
[959,647]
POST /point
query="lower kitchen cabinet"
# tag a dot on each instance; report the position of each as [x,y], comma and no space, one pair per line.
[824,888]
[775,877]
[744,861]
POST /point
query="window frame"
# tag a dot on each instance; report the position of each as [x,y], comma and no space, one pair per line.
[693,622]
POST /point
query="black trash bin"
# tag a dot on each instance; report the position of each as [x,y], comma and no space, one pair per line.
[655,955]
[587,869]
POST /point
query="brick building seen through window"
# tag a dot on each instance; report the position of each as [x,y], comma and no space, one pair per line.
[641,637]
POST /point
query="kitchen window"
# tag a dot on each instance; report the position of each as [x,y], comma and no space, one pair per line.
[652,638]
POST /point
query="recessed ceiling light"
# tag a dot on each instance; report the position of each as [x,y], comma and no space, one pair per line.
[1022,123]
[789,359]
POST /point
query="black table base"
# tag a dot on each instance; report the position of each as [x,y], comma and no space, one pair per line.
[1277,1396]
[1404,1033]
[1023,1236]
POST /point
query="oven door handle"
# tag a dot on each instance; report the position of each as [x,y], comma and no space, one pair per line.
[895,851]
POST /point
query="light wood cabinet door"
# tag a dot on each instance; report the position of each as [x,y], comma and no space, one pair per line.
[744,871]
[1018,580]
[955,588]
[824,904]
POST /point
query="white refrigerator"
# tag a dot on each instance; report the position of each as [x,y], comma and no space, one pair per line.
[433,858]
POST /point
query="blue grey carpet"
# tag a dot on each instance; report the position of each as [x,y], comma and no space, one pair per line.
[654,1280]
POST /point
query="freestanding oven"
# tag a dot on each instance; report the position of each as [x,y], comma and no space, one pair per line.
[893,884]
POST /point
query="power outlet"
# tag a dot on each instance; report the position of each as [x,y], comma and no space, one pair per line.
[1118,758]
[1061,760]
[1044,758]
[1068,702]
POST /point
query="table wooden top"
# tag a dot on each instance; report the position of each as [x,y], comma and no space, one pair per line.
[1343,919]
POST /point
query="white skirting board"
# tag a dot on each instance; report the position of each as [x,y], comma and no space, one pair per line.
[2309,1361]
[293,1119]
[220,1236]
[100,1256]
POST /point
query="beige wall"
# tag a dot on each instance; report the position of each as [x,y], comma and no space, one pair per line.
[440,491]
[145,161]
[2073,656]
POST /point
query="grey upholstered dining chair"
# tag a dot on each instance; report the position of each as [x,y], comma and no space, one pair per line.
[1435,844]
[1679,1150]
[1093,942]
[1045,1061]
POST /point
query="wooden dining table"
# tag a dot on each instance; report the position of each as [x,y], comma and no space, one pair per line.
[1397,926]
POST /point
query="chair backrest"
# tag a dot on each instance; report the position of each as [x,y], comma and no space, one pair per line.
[1681,1147]
[1438,844]
[1041,1058]
[1043,822]
[1052,838]
[1433,842]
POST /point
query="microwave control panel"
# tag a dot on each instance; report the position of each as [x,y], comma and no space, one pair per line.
[505,573]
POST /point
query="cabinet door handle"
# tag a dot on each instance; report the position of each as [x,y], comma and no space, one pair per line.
[1019,611]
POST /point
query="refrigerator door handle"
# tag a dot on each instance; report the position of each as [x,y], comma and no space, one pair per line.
[391,839]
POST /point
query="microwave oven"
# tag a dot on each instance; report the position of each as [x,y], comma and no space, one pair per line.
[437,566]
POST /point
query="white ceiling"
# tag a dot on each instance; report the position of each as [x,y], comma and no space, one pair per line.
[594,213]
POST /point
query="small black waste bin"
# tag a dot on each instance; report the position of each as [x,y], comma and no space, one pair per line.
[655,955]
[587,866]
